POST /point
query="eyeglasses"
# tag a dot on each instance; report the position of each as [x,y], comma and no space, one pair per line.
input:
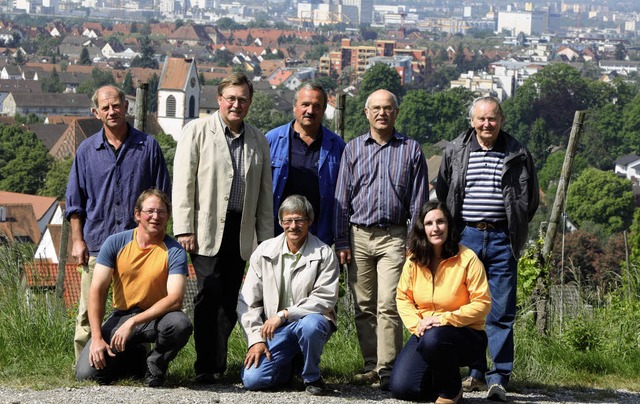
[159,212]
[298,221]
[378,109]
[232,100]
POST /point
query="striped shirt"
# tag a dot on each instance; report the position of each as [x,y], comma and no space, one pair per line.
[483,199]
[379,184]
[236,144]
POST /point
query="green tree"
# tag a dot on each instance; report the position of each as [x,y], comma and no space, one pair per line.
[327,82]
[601,197]
[539,142]
[168,145]
[316,52]
[52,84]
[98,79]
[127,84]
[24,160]
[152,94]
[56,179]
[549,174]
[263,113]
[147,52]
[85,59]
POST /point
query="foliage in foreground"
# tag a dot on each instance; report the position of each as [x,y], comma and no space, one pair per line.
[585,349]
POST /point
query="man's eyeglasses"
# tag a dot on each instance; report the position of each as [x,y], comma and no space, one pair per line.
[232,100]
[378,109]
[159,212]
[298,221]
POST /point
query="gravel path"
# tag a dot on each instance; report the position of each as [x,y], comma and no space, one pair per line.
[226,393]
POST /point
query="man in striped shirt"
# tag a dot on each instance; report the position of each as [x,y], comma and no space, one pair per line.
[381,186]
[488,181]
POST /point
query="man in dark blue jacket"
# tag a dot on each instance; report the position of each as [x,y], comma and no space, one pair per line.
[305,158]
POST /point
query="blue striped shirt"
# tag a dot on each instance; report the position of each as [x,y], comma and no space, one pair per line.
[379,184]
[483,199]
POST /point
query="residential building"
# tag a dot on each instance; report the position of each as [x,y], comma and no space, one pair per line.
[46,103]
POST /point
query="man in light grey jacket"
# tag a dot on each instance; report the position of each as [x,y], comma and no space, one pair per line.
[287,304]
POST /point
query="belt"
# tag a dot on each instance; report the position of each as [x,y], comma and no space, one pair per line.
[376,226]
[501,225]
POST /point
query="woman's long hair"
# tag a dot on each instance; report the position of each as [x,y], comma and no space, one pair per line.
[420,250]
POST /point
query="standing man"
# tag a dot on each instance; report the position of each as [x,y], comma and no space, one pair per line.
[287,304]
[488,181]
[110,169]
[222,199]
[149,271]
[305,158]
[381,187]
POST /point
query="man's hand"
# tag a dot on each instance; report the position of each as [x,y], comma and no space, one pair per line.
[427,323]
[255,353]
[269,327]
[80,252]
[122,335]
[97,358]
[187,241]
[344,256]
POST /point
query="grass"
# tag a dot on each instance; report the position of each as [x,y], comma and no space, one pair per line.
[601,350]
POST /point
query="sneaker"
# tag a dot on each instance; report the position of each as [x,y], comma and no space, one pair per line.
[470,383]
[317,388]
[153,380]
[369,377]
[497,393]
[456,400]
[384,383]
[207,378]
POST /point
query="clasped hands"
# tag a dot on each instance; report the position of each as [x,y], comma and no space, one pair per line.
[427,323]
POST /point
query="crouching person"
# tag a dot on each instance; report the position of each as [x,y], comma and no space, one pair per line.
[148,269]
[287,303]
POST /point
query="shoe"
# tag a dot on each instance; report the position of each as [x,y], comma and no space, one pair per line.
[384,383]
[153,380]
[497,393]
[207,378]
[317,388]
[470,384]
[367,377]
[456,400]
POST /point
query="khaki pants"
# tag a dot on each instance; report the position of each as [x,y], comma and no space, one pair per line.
[83,331]
[378,256]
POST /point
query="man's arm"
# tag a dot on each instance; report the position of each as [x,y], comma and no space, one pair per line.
[420,187]
[264,209]
[176,285]
[79,249]
[185,167]
[341,208]
[97,299]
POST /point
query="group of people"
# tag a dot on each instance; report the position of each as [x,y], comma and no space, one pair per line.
[299,204]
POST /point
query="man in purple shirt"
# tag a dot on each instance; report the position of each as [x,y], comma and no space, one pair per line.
[110,169]
[382,184]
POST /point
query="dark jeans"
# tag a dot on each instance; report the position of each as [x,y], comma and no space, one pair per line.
[169,333]
[214,313]
[493,247]
[428,367]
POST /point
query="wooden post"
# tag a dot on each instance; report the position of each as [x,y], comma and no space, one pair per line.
[62,261]
[141,107]
[339,114]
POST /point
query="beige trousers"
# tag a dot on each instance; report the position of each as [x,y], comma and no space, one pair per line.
[83,331]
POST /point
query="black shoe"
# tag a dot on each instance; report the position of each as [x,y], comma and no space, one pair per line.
[153,380]
[207,378]
[317,388]
[384,383]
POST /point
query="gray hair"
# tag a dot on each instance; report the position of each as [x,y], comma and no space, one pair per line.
[487,98]
[94,97]
[395,99]
[312,87]
[296,204]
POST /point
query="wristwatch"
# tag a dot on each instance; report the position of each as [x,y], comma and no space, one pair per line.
[282,316]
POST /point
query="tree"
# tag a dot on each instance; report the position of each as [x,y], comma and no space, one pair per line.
[52,84]
[24,160]
[263,113]
[549,174]
[316,52]
[56,179]
[327,82]
[146,58]
[85,59]
[98,79]
[603,198]
[152,94]
[168,145]
[127,84]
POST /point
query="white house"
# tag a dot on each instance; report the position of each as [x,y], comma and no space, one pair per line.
[178,95]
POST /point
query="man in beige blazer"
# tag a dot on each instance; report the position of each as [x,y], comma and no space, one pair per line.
[222,199]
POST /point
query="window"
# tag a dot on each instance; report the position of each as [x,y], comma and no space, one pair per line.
[192,107]
[171,106]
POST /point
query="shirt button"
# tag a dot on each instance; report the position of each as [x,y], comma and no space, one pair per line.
[221,220]
[230,175]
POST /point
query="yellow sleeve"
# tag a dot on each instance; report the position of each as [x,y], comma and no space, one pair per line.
[404,297]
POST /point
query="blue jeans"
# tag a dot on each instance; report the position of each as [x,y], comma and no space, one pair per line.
[307,336]
[428,366]
[494,250]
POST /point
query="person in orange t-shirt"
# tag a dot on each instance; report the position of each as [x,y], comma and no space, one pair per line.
[443,299]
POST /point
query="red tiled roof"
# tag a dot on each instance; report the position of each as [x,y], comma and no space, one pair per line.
[41,204]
